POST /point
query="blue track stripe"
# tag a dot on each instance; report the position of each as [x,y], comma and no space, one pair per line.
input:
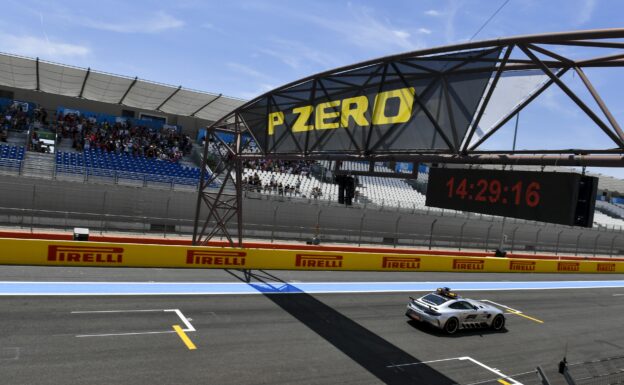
[193,288]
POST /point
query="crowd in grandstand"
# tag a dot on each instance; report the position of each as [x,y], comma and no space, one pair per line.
[87,133]
[16,116]
[254,183]
[122,137]
[296,167]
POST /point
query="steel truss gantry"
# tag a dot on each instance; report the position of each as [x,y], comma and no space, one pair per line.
[220,191]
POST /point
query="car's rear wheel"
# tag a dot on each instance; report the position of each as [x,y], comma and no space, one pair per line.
[498,323]
[451,325]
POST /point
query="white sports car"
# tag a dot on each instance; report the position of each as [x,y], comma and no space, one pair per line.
[449,312]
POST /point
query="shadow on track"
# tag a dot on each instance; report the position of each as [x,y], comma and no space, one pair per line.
[366,348]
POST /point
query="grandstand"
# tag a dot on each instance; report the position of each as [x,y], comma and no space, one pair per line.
[104,148]
[387,191]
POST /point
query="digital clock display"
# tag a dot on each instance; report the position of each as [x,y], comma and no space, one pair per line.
[539,196]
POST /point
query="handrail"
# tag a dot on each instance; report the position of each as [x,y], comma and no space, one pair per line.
[116,175]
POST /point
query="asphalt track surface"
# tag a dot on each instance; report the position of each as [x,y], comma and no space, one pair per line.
[296,338]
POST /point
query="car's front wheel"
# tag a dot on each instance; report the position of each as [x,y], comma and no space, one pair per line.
[498,323]
[451,325]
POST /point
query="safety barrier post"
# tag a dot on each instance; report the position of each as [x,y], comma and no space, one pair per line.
[537,240]
[487,237]
[361,228]
[502,233]
[557,245]
[274,223]
[318,222]
[578,239]
[596,243]
[513,237]
[612,244]
[461,235]
[166,216]
[396,231]
[32,208]
[103,223]
[542,376]
[431,233]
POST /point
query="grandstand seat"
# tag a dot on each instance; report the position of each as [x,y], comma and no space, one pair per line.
[123,166]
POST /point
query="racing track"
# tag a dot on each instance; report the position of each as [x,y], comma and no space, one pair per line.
[274,338]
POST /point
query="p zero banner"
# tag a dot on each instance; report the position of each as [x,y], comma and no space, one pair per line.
[424,103]
[93,254]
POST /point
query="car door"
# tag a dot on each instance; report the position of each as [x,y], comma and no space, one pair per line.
[483,315]
[465,312]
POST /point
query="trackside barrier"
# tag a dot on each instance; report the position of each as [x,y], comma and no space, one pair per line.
[266,245]
[68,253]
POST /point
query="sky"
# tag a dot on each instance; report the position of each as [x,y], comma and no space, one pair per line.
[242,48]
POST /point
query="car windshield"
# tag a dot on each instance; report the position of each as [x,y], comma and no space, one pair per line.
[434,299]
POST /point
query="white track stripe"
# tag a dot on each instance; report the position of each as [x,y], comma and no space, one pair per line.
[123,334]
[187,323]
[465,358]
[189,327]
[495,371]
[114,311]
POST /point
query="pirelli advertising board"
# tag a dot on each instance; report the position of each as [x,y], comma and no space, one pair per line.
[67,253]
[422,103]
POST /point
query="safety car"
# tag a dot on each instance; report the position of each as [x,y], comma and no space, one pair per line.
[448,311]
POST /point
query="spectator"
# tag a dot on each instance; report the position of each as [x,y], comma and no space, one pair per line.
[166,144]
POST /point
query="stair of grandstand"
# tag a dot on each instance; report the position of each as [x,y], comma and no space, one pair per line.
[17,138]
[604,220]
[611,209]
[38,165]
[387,191]
[65,145]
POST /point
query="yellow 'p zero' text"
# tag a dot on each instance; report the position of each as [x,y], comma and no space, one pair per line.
[335,114]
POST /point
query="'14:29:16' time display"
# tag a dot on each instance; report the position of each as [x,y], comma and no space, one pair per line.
[494,191]
[556,197]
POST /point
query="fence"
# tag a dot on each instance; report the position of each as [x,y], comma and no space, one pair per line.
[85,174]
[29,202]
[605,371]
[438,234]
[11,166]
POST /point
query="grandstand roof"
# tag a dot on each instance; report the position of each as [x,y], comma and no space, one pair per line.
[38,75]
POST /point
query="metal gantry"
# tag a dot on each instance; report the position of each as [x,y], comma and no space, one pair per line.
[220,192]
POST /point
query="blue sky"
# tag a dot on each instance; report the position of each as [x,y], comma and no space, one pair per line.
[242,48]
